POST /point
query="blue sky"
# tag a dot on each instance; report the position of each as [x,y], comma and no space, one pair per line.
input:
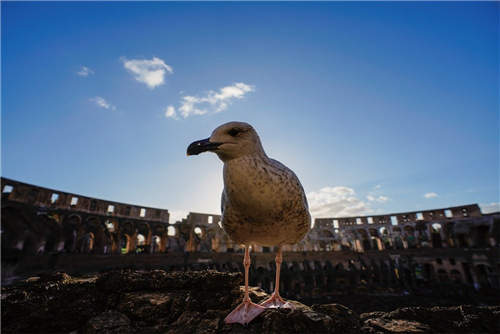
[377,107]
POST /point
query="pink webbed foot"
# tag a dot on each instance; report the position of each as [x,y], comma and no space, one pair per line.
[275,301]
[244,313]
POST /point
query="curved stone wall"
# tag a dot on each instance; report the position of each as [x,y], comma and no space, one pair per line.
[47,228]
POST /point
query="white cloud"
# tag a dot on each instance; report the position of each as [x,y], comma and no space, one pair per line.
[170,112]
[336,202]
[490,207]
[150,72]
[382,199]
[177,215]
[379,199]
[430,195]
[101,102]
[85,71]
[378,186]
[212,101]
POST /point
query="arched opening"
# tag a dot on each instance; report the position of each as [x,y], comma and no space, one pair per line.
[398,242]
[436,235]
[171,231]
[124,244]
[70,232]
[365,240]
[87,242]
[156,244]
[411,241]
[110,225]
[384,235]
[140,242]
[421,234]
[100,236]
[375,239]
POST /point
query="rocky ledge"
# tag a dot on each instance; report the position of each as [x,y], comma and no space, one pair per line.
[155,301]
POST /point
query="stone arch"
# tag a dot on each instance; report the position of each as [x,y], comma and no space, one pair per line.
[127,237]
[112,232]
[124,243]
[396,237]
[31,244]
[409,236]
[53,239]
[365,239]
[15,225]
[196,235]
[141,243]
[94,238]
[376,240]
[422,234]
[143,229]
[155,244]
[385,237]
[71,226]
[436,229]
[159,238]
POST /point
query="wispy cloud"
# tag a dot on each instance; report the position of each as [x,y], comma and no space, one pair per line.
[336,202]
[101,102]
[379,199]
[430,195]
[150,72]
[85,71]
[211,102]
[375,196]
[170,112]
[490,207]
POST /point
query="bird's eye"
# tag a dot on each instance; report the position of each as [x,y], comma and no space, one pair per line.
[233,132]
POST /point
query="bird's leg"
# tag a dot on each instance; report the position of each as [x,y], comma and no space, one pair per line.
[247,310]
[275,300]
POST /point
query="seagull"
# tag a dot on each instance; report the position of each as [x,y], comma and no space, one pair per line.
[263,203]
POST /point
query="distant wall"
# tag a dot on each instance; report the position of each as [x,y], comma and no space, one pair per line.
[46,229]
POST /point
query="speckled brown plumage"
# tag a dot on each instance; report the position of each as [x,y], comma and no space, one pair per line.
[263,202]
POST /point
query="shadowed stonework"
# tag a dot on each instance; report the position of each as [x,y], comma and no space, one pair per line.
[417,252]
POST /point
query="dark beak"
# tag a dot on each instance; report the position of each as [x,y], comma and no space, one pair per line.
[201,146]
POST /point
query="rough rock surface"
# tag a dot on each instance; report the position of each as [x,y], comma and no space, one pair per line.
[458,319]
[196,302]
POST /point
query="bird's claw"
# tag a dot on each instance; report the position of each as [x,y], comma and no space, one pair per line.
[275,301]
[244,313]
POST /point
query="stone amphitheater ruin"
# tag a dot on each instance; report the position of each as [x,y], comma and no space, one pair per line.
[45,229]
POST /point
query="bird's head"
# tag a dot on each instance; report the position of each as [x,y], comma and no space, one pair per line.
[229,141]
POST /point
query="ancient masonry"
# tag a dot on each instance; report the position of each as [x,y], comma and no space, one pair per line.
[456,243]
